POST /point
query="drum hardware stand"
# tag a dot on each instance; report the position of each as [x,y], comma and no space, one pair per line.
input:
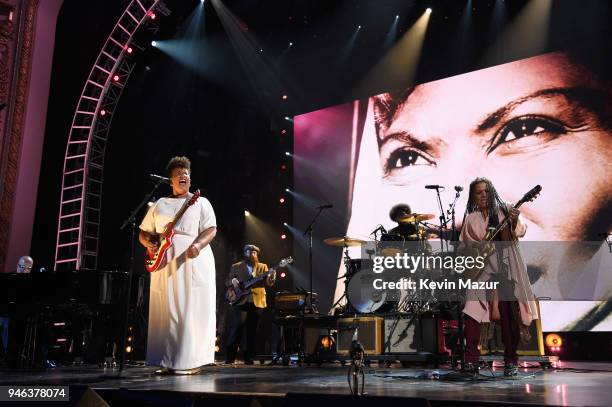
[347,273]
[443,220]
[309,231]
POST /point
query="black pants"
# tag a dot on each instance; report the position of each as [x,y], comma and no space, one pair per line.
[242,315]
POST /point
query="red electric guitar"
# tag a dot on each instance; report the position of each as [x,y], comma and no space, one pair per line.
[155,260]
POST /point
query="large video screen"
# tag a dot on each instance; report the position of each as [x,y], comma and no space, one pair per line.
[545,120]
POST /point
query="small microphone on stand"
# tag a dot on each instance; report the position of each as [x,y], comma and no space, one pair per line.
[458,188]
[380,228]
[434,187]
[159,178]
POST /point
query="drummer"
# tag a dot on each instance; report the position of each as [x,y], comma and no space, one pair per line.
[407,230]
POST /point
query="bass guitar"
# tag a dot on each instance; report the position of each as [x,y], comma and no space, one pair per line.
[486,247]
[235,294]
[156,259]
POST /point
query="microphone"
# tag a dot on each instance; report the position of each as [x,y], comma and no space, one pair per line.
[158,178]
[380,228]
[326,206]
[458,188]
[434,187]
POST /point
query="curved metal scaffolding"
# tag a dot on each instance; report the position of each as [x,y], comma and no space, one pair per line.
[78,225]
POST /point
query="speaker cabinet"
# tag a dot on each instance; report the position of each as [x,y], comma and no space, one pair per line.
[405,333]
[492,342]
[370,334]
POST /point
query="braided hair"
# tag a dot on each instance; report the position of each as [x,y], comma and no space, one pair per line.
[494,202]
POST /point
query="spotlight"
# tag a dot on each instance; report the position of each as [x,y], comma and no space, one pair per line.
[154,43]
[287,189]
[152,15]
[396,16]
[291,44]
[128,349]
[428,9]
[283,131]
[287,153]
[553,341]
[284,97]
[247,213]
[283,167]
[261,50]
[285,224]
[129,50]
[359,27]
[102,113]
[283,274]
[282,200]
[116,78]
[286,117]
[283,236]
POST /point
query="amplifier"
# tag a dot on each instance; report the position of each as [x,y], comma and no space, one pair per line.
[370,334]
[535,346]
[405,333]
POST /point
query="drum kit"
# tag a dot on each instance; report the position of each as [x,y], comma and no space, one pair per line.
[412,236]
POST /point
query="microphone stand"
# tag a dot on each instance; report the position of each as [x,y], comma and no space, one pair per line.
[443,221]
[308,231]
[131,220]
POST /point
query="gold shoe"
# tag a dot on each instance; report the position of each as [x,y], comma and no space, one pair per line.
[193,371]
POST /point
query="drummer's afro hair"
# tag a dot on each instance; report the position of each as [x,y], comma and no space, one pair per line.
[178,162]
[395,211]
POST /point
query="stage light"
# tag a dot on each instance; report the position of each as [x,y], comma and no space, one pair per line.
[283,236]
[154,43]
[247,213]
[287,118]
[287,153]
[283,274]
[283,167]
[103,113]
[287,189]
[129,50]
[285,224]
[553,340]
[152,15]
[282,200]
[396,16]
[428,9]
[116,78]
[291,44]
[284,97]
[128,349]
[359,27]
[283,131]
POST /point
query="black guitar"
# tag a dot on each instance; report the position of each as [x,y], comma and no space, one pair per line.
[235,294]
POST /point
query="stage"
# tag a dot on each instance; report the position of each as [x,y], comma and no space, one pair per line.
[570,384]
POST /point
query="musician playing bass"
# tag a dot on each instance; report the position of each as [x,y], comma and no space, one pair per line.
[247,311]
[513,305]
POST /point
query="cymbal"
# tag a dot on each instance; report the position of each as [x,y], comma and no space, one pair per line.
[415,217]
[343,241]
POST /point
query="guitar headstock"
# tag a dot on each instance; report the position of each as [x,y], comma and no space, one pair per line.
[285,261]
[194,197]
[532,194]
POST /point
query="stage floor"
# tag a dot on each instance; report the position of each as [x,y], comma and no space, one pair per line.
[571,384]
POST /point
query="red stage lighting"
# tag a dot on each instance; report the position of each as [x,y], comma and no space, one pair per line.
[129,50]
[152,15]
[282,200]
[116,78]
[102,112]
[283,274]
[283,236]
[284,131]
[284,97]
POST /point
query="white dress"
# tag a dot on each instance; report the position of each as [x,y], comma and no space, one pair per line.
[182,321]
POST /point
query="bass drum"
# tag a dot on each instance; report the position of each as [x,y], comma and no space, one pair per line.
[362,295]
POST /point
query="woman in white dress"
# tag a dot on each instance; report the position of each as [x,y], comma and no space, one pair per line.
[182,322]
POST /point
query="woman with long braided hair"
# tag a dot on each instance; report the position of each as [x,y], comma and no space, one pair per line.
[513,304]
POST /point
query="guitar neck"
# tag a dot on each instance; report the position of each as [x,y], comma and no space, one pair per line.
[504,223]
[179,214]
[257,279]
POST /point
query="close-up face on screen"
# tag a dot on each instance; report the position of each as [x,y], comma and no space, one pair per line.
[544,120]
